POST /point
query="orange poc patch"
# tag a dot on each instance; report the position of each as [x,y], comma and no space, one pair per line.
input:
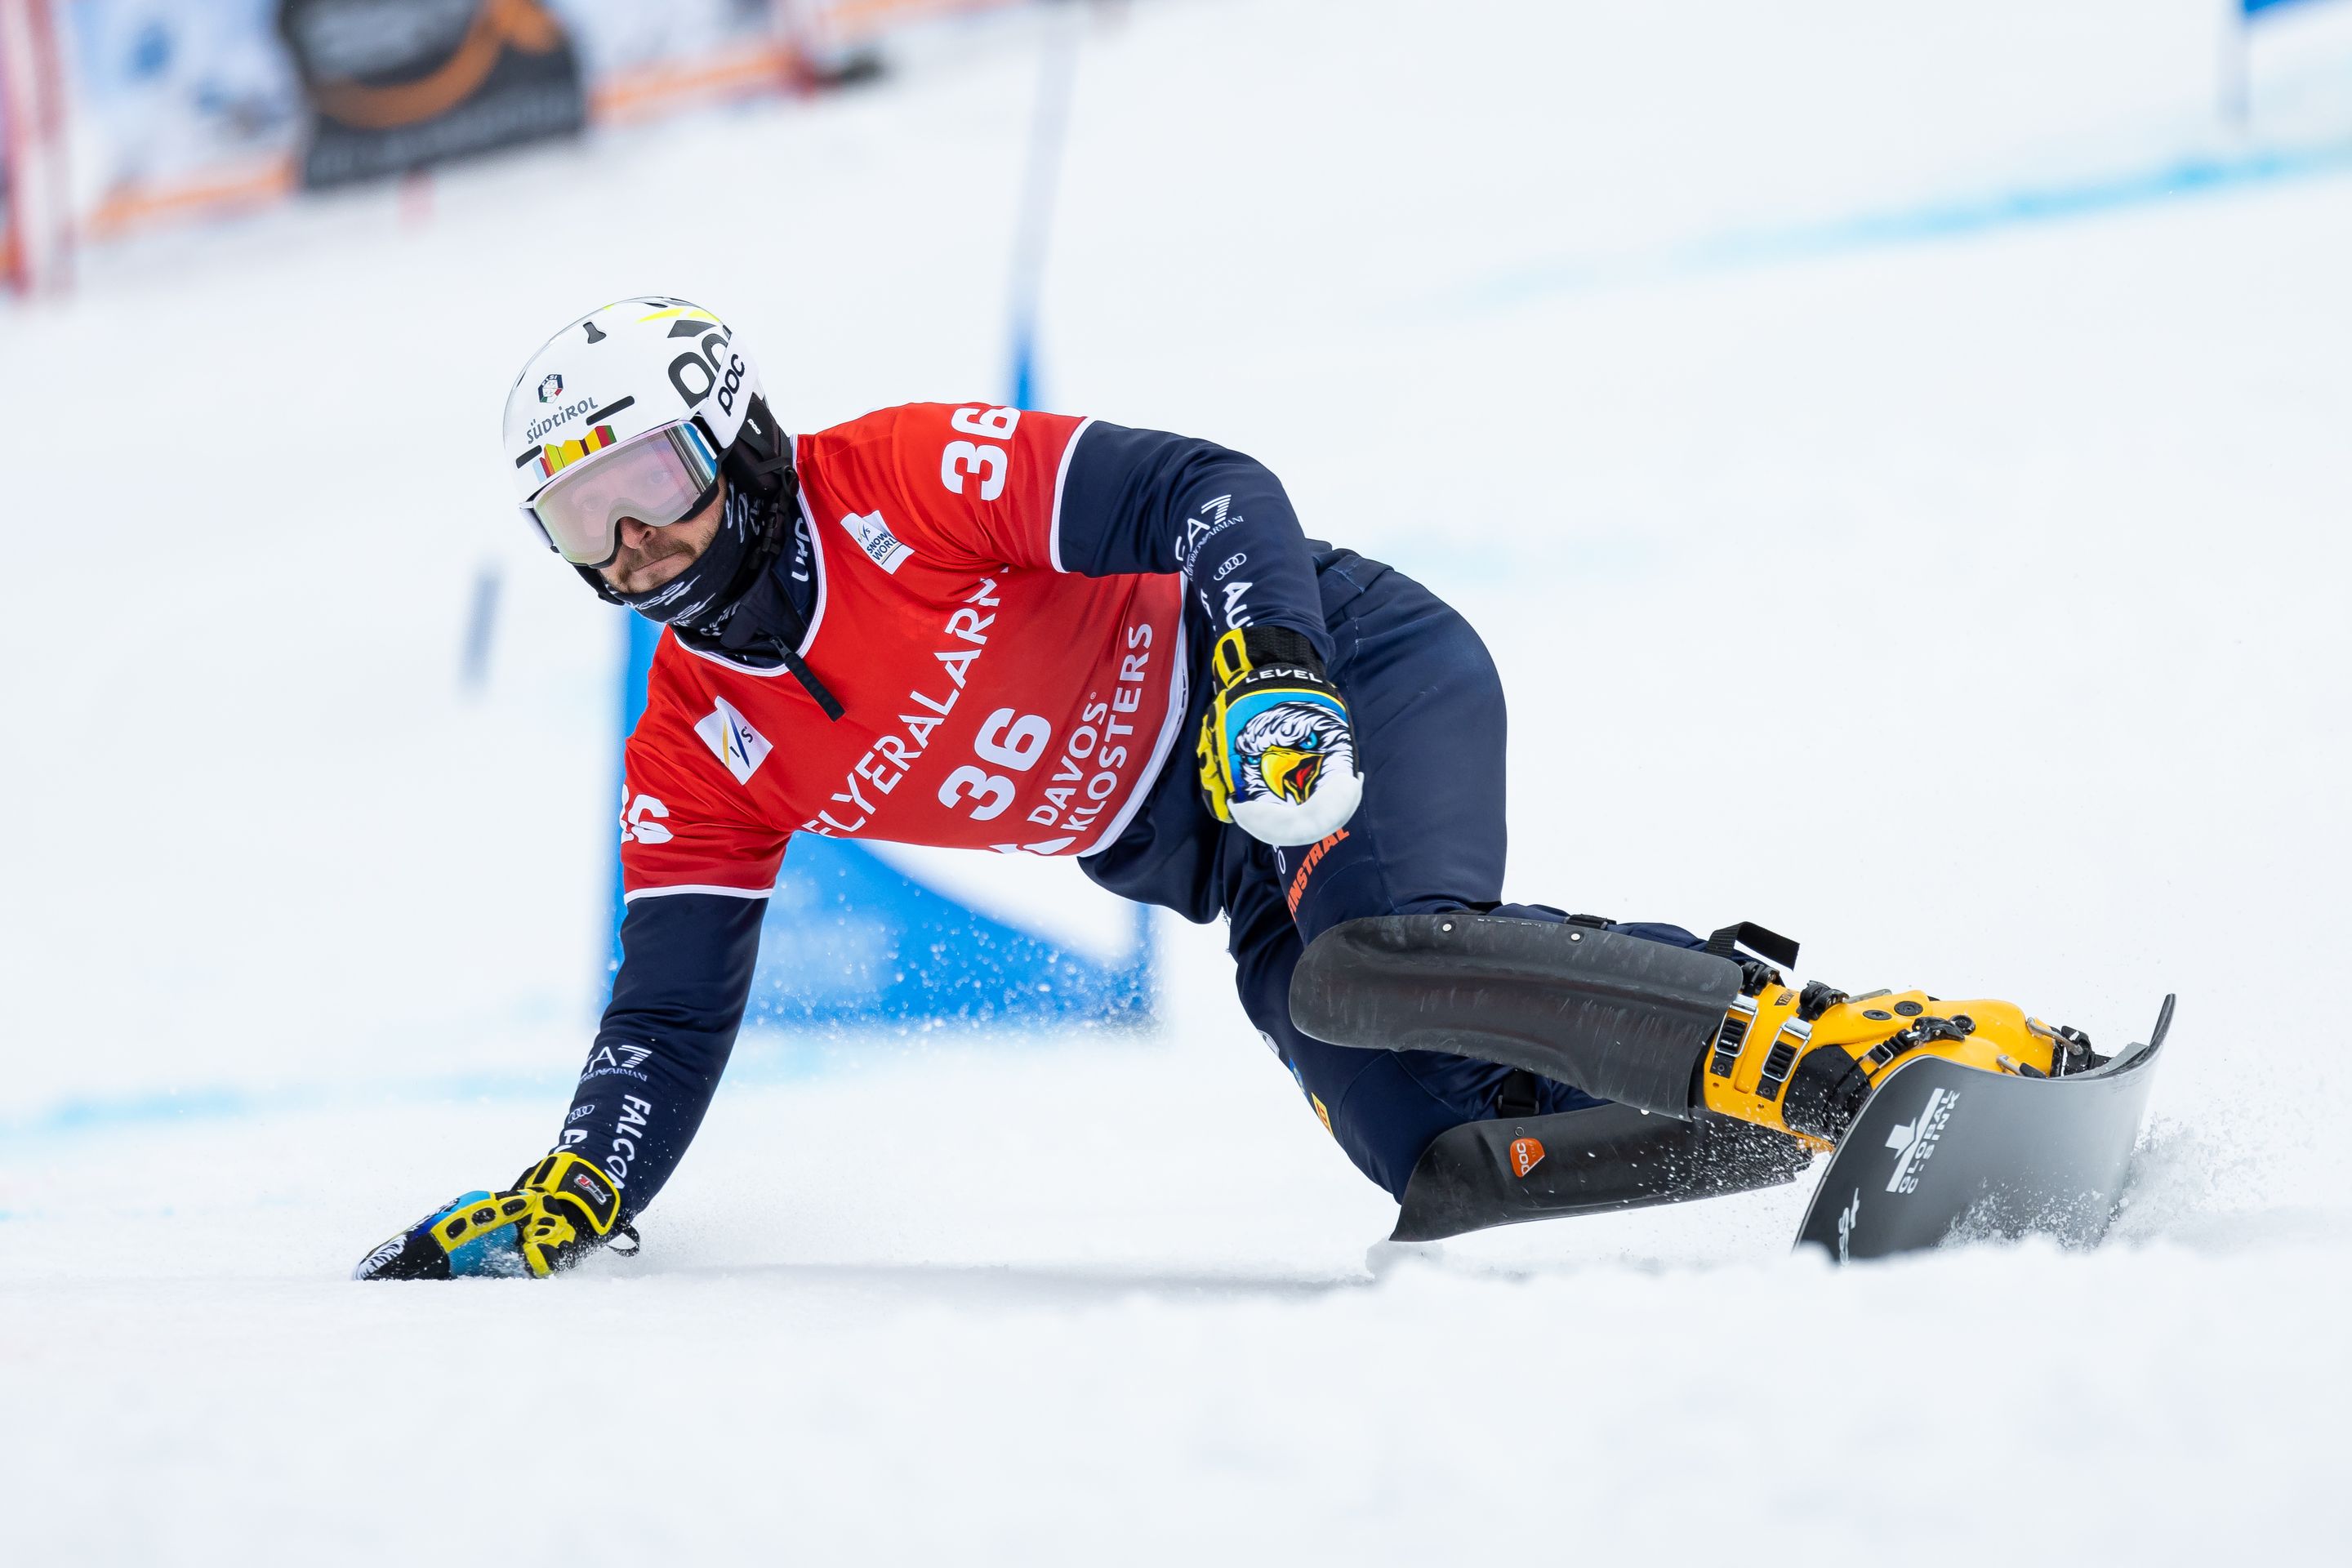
[1527,1154]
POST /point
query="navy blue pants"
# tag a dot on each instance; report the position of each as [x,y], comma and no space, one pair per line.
[1429,835]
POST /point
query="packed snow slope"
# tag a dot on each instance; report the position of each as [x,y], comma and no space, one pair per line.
[1898,458]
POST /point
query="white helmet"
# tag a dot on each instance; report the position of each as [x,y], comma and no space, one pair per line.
[661,374]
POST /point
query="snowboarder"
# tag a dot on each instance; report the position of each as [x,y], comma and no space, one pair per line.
[1016,632]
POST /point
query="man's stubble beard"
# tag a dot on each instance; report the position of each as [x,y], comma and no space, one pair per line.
[645,560]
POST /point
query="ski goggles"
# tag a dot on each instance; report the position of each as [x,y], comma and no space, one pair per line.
[662,477]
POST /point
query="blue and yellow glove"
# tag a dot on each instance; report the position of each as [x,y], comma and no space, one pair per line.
[1277,752]
[557,1213]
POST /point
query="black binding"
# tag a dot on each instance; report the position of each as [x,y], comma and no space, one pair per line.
[1599,1158]
[1770,945]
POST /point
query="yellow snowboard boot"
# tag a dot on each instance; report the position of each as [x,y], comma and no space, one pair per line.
[1803,1061]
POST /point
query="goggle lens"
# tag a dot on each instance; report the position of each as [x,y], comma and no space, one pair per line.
[660,478]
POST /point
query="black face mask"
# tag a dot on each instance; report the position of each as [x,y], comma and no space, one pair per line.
[729,601]
[704,595]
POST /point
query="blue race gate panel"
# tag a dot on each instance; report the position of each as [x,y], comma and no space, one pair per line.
[848,939]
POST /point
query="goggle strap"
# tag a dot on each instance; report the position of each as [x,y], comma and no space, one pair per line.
[530,515]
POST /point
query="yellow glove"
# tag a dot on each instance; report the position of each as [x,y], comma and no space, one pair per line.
[557,1213]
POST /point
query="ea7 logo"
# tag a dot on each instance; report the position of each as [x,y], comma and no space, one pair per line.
[616,1058]
[1215,519]
[1914,1141]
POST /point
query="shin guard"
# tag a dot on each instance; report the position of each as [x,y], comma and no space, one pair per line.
[1619,1017]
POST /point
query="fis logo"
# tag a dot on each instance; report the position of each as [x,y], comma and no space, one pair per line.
[1914,1141]
[1848,1217]
[550,387]
[874,537]
[1527,1154]
[732,740]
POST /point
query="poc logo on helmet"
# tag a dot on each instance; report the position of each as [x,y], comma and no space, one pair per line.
[697,374]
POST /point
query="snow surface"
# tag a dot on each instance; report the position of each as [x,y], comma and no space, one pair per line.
[1964,598]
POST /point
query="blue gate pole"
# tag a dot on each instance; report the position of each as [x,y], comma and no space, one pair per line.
[1049,135]
[2236,67]
[1049,128]
[2237,56]
[640,637]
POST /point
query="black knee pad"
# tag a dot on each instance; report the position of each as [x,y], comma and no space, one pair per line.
[1617,1016]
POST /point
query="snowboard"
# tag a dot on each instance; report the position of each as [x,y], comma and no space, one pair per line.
[1943,1153]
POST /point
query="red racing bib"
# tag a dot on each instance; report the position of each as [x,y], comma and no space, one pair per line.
[990,700]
